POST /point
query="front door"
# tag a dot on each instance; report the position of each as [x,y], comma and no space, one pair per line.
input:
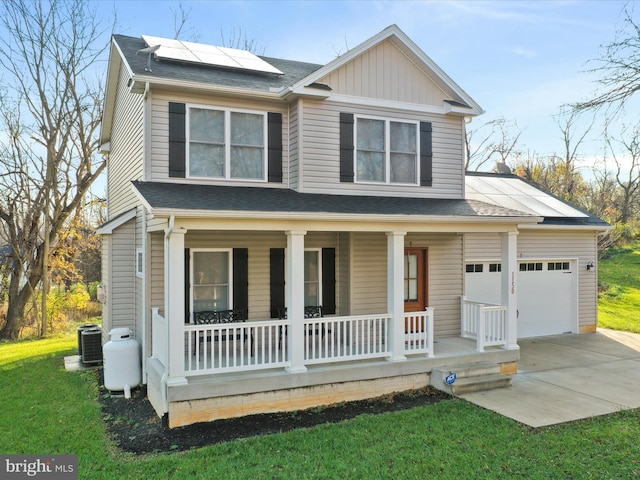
[415,281]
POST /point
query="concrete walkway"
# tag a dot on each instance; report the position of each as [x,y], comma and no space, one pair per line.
[569,377]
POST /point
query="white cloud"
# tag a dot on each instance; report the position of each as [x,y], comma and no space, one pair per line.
[523,52]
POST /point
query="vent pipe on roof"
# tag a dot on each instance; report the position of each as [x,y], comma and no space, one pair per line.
[150,51]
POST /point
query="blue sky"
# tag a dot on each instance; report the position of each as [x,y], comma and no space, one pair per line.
[519,60]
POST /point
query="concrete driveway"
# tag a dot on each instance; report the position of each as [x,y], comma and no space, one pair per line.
[569,377]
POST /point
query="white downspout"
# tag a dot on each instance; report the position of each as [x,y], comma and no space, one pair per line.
[163,381]
[144,239]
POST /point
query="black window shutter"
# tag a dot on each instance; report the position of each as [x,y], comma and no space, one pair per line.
[177,140]
[274,158]
[241,279]
[276,263]
[187,285]
[346,147]
[426,154]
[329,281]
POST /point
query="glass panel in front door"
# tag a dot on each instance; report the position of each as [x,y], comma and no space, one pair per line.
[411,278]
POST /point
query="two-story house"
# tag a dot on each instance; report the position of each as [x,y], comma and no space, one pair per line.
[284,235]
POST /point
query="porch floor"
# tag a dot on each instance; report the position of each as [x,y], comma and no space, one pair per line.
[448,352]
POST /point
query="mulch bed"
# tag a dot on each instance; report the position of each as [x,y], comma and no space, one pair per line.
[136,428]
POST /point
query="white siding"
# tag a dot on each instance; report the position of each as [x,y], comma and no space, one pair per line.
[140,315]
[445,276]
[550,244]
[156,269]
[482,246]
[343,268]
[122,277]
[321,152]
[368,273]
[105,282]
[581,245]
[160,133]
[446,279]
[125,162]
[259,245]
[295,138]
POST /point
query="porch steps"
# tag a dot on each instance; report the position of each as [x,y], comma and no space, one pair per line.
[472,377]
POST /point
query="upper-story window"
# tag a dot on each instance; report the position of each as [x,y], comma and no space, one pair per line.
[386,151]
[226,144]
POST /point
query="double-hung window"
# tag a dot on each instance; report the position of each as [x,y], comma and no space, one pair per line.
[211,282]
[312,277]
[386,151]
[226,144]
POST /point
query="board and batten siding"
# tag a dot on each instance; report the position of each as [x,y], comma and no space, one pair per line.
[159,171]
[125,162]
[445,276]
[550,244]
[384,72]
[321,152]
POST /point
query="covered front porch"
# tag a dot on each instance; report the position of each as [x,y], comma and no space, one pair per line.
[384,324]
[240,383]
[245,368]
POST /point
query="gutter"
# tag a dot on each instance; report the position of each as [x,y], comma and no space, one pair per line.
[323,216]
[137,82]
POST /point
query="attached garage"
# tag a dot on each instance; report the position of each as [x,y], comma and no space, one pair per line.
[547,293]
[557,277]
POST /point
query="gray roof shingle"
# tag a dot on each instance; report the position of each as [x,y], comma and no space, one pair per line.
[293,71]
[262,199]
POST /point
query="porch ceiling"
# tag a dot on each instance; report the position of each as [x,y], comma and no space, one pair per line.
[178,199]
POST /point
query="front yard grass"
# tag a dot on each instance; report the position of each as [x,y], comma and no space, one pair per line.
[619,285]
[47,410]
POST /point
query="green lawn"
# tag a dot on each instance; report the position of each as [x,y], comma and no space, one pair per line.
[47,410]
[619,279]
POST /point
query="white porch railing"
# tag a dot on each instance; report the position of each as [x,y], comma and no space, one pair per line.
[246,346]
[334,339]
[486,324]
[232,347]
[159,330]
[419,332]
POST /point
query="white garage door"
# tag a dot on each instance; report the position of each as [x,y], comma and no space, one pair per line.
[546,294]
[546,298]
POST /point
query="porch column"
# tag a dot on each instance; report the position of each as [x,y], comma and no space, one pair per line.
[509,279]
[395,294]
[295,300]
[174,306]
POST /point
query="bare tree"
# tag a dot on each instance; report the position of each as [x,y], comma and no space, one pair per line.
[493,142]
[50,113]
[569,180]
[626,173]
[559,174]
[618,68]
[180,19]
[238,39]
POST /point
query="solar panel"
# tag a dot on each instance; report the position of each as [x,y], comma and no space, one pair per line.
[210,55]
[518,195]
